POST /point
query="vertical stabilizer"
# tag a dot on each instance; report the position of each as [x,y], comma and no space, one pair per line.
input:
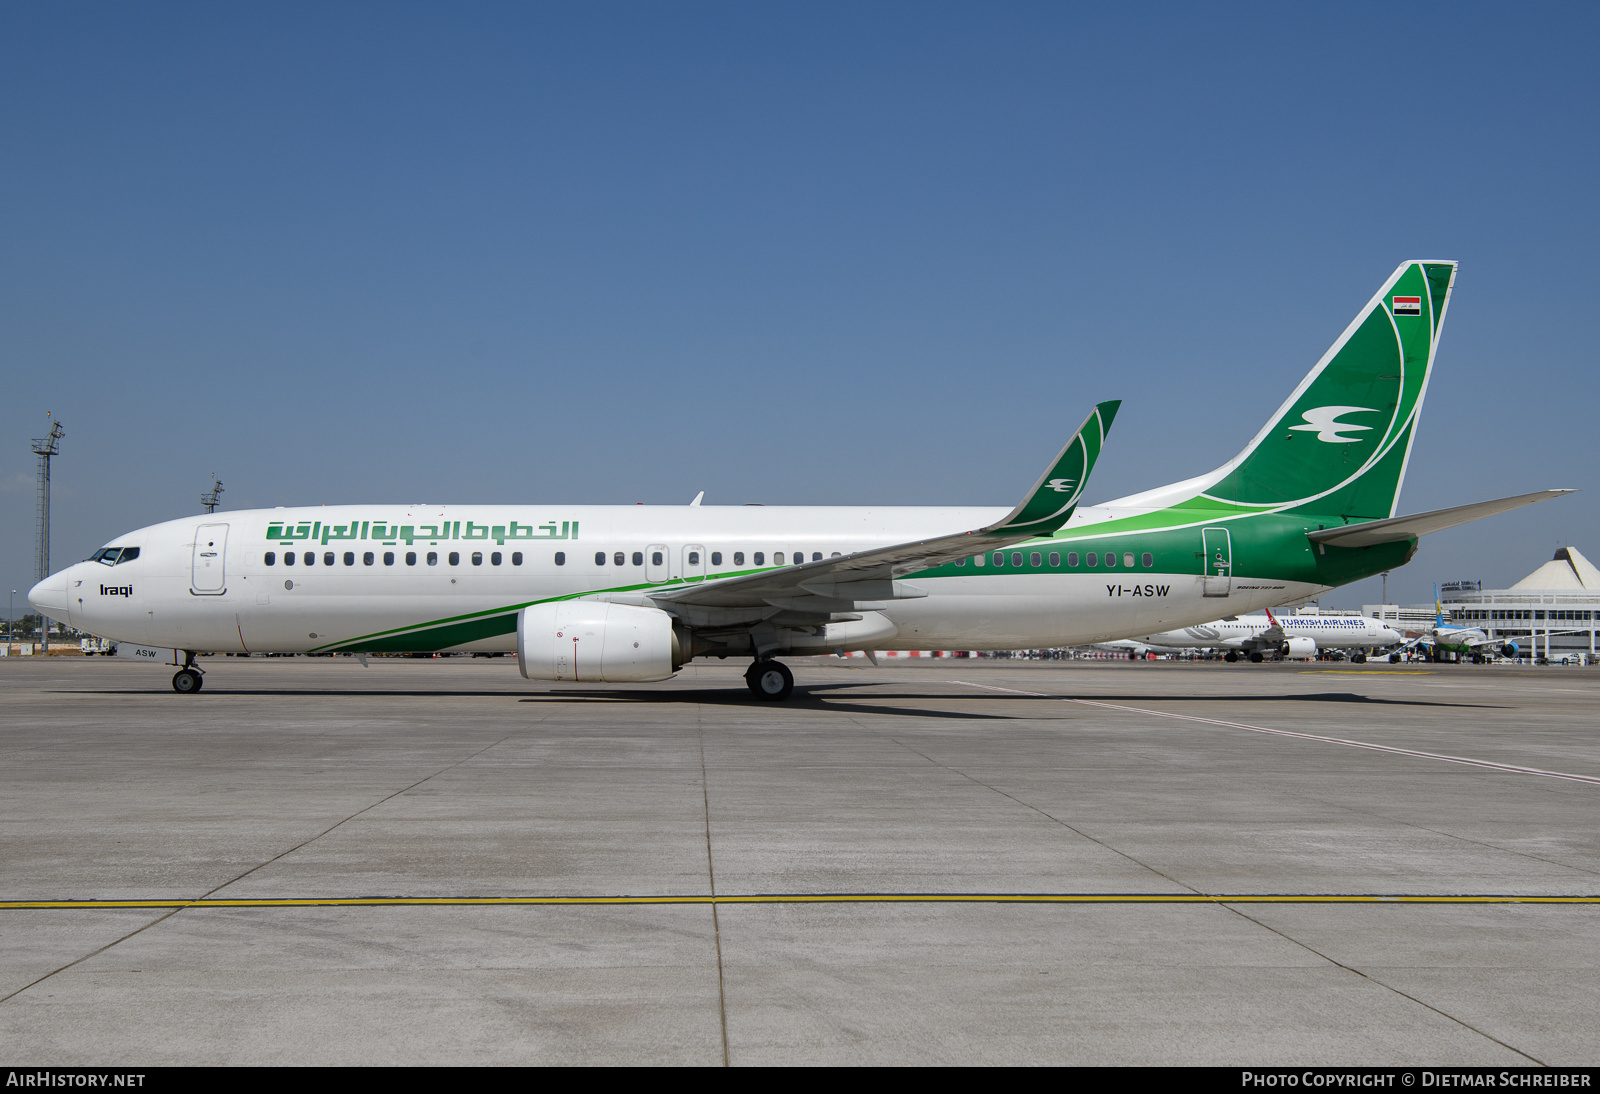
[1338,446]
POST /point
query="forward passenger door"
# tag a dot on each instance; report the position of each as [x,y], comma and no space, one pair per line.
[210,549]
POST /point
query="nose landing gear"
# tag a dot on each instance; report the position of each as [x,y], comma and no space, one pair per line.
[769,680]
[188,679]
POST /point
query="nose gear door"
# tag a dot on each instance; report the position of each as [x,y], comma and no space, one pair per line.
[210,548]
[1218,548]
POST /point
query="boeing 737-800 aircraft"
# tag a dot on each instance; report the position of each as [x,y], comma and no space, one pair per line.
[631,593]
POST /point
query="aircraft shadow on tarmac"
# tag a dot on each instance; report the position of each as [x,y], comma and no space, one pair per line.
[803,698]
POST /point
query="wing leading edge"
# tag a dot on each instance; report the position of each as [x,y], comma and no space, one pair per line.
[856,580]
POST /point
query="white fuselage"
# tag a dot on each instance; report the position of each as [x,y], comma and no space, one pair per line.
[222,583]
[1329,632]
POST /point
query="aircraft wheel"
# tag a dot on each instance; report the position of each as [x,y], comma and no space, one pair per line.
[1358,659]
[1394,659]
[185,681]
[1256,657]
[1230,657]
[770,680]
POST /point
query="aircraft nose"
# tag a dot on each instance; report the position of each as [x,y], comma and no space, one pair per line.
[49,597]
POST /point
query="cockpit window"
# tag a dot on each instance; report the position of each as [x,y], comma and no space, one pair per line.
[128,555]
[110,556]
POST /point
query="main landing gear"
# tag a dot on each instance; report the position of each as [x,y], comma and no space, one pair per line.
[188,679]
[770,680]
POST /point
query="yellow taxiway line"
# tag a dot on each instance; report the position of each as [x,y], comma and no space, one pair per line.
[817,898]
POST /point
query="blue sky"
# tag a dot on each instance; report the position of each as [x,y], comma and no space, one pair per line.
[855,253]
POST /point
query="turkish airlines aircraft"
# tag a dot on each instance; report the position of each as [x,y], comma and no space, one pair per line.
[606,594]
[1289,635]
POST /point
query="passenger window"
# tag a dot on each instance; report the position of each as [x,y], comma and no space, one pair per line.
[738,558]
[816,556]
[1111,559]
[716,558]
[1016,558]
[1091,559]
[694,558]
[349,558]
[619,559]
[978,560]
[477,558]
[1072,560]
[367,559]
[655,558]
[1034,559]
[494,559]
[599,558]
[388,558]
[1127,558]
[455,558]
[411,558]
[288,558]
[1055,560]
[777,558]
[270,558]
[760,559]
[961,562]
[834,555]
[638,558]
[1148,559]
[561,558]
[433,558]
[327,558]
[310,558]
[999,558]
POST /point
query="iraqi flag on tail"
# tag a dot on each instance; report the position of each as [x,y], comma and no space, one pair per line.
[1406,305]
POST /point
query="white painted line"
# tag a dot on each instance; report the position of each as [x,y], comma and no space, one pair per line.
[1592,780]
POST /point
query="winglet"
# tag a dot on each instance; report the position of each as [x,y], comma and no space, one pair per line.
[1053,498]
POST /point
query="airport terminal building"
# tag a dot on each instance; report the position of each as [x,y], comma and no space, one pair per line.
[1553,612]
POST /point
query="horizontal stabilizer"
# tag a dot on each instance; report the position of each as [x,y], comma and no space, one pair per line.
[1399,529]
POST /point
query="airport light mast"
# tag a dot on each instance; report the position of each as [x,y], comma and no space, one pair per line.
[45,447]
[210,499]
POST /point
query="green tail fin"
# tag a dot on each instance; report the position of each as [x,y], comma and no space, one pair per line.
[1339,446]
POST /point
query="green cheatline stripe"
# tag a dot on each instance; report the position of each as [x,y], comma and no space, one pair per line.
[828,898]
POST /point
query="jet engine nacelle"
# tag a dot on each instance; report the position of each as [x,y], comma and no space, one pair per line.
[1510,649]
[590,642]
[1299,648]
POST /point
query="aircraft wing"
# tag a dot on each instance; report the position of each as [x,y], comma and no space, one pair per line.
[1273,636]
[1397,529]
[839,584]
